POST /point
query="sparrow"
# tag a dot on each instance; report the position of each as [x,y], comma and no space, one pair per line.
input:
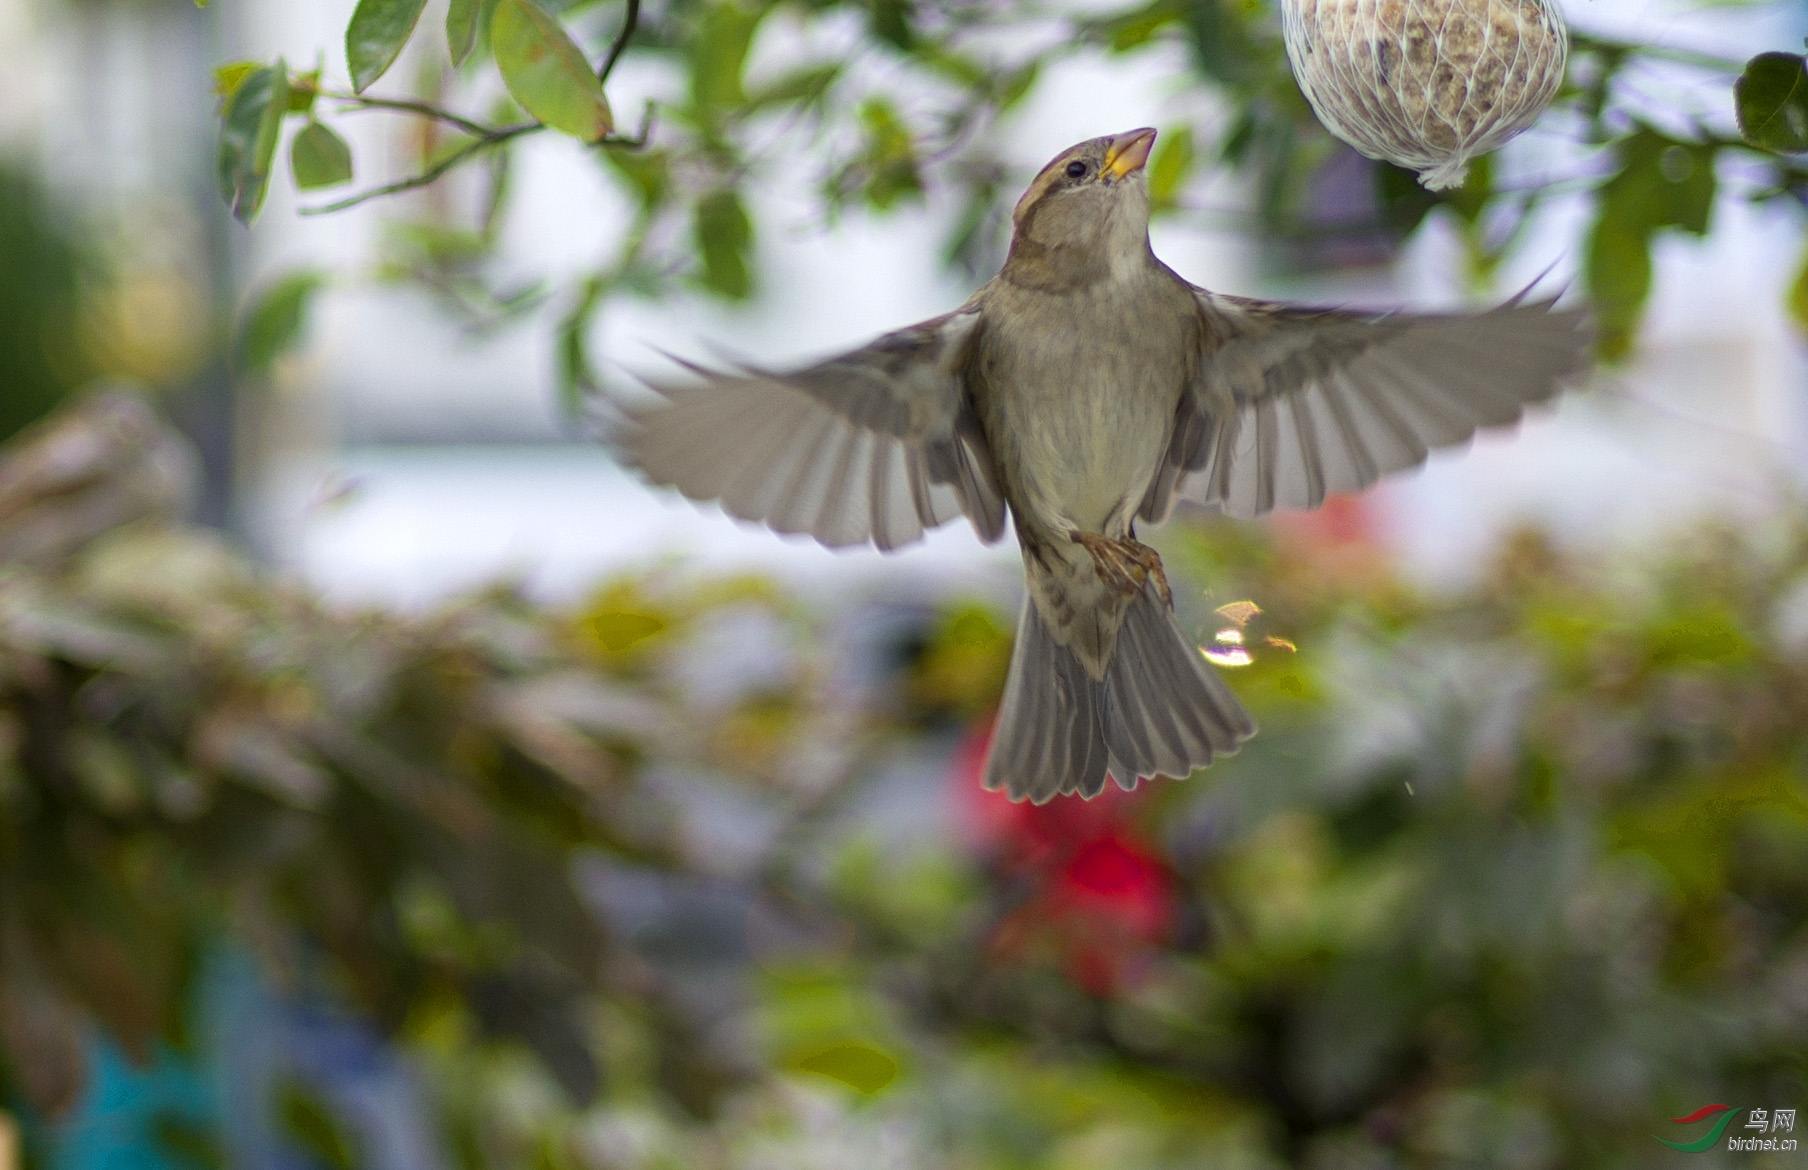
[1083,390]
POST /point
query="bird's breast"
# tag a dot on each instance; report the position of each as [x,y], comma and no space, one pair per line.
[1080,393]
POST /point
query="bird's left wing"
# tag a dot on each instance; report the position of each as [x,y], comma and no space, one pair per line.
[1292,404]
[875,445]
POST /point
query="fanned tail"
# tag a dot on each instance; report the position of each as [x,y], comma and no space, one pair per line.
[1160,709]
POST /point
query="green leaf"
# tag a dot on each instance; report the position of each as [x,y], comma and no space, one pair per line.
[859,1066]
[308,1121]
[1222,44]
[801,87]
[719,57]
[461,29]
[1706,634]
[1169,168]
[277,320]
[1662,183]
[1404,200]
[891,23]
[375,37]
[303,89]
[318,157]
[647,172]
[890,158]
[1689,196]
[1771,97]
[227,78]
[1619,280]
[1130,30]
[249,128]
[186,1141]
[577,373]
[1798,297]
[1017,84]
[546,72]
[724,237]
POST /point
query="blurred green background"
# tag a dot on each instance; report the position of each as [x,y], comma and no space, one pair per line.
[694,871]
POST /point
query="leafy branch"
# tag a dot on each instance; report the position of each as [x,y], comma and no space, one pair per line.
[544,70]
[488,140]
[409,106]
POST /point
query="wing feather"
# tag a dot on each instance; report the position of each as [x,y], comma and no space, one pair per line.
[873,446]
[1291,405]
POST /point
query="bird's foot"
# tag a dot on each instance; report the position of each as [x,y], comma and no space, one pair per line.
[1126,565]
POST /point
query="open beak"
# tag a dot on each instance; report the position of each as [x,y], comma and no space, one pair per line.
[1128,152]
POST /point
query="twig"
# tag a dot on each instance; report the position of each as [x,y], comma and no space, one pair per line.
[629,22]
[639,138]
[1700,60]
[406,106]
[414,182]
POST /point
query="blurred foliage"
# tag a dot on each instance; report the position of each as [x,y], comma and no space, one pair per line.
[884,102]
[1508,878]
[41,285]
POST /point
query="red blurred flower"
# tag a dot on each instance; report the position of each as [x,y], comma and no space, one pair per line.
[1021,833]
[1103,899]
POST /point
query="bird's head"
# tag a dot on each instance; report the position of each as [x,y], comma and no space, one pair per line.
[1086,214]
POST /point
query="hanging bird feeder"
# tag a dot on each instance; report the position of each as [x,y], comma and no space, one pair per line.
[1426,84]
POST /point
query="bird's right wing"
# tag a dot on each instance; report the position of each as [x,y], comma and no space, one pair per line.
[875,445]
[1292,404]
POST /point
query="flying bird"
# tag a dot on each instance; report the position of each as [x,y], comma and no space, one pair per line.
[1084,389]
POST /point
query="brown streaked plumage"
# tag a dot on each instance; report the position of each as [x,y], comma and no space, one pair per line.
[1084,388]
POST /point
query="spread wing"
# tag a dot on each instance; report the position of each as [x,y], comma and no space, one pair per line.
[1293,404]
[875,445]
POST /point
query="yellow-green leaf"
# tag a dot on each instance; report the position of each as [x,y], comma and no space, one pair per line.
[546,72]
[318,157]
[375,37]
[1170,166]
[859,1066]
[890,158]
[1798,297]
[227,78]
[618,630]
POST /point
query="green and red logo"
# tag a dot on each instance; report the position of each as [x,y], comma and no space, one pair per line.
[1724,1114]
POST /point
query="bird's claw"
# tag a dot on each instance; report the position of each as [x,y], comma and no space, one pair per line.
[1126,565]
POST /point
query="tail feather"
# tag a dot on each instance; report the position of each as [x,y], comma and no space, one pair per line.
[1047,739]
[1160,710]
[1166,711]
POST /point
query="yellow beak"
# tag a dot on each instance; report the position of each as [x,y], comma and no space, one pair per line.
[1128,152]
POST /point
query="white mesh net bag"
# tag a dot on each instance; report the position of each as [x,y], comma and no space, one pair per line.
[1426,84]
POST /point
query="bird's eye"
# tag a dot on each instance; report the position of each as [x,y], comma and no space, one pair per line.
[1076,169]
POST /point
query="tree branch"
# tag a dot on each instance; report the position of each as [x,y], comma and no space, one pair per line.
[639,137]
[407,106]
[414,182]
[629,21]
